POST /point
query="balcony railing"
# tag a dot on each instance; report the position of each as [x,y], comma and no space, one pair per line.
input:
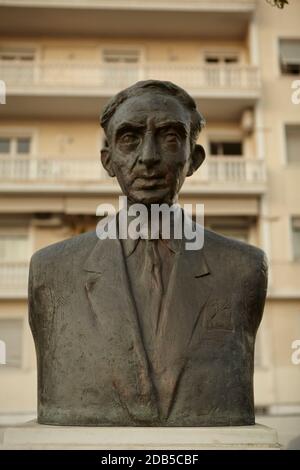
[228,170]
[232,170]
[13,278]
[20,169]
[108,78]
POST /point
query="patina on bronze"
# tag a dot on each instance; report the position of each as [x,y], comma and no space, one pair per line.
[110,354]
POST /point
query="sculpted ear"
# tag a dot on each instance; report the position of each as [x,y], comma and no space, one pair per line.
[196,159]
[106,161]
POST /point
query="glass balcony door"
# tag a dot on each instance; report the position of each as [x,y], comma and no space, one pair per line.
[121,67]
[222,69]
[17,65]
[14,156]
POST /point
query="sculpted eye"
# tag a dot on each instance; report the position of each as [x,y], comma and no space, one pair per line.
[171,138]
[129,138]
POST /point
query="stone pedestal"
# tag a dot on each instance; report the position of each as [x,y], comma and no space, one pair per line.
[36,436]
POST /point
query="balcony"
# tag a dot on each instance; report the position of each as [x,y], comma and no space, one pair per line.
[86,176]
[227,19]
[107,79]
[229,174]
[13,279]
[81,89]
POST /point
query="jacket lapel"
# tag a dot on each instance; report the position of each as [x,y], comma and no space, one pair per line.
[188,291]
[111,302]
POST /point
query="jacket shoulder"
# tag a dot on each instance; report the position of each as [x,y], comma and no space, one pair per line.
[245,267]
[79,245]
[235,251]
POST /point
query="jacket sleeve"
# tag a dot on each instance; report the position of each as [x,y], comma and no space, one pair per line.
[260,286]
[31,306]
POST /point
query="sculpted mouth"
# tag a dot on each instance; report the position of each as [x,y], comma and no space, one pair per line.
[149,181]
[150,175]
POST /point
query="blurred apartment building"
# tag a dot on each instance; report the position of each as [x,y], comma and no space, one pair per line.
[62,60]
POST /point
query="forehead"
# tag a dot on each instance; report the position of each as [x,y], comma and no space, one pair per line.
[159,107]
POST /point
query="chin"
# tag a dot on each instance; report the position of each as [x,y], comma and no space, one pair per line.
[157,196]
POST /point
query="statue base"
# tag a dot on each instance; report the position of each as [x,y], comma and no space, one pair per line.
[38,436]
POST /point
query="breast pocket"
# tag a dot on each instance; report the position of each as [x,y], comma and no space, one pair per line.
[218,316]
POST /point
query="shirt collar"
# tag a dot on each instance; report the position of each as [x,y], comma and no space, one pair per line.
[129,245]
[173,244]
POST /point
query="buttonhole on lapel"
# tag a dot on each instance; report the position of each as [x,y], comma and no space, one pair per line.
[90,284]
[201,275]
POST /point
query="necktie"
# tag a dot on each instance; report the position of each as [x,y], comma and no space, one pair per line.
[152,280]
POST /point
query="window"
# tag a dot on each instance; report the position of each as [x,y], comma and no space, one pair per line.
[292,135]
[23,145]
[221,58]
[220,69]
[289,56]
[14,257]
[15,145]
[17,65]
[14,247]
[296,237]
[121,56]
[11,334]
[237,228]
[258,352]
[121,67]
[210,59]
[260,358]
[4,145]
[223,148]
[237,233]
[13,54]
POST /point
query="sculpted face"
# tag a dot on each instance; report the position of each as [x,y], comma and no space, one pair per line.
[149,148]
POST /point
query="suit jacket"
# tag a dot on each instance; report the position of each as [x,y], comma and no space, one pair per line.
[92,364]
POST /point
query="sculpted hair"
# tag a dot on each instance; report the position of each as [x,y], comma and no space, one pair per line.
[197,120]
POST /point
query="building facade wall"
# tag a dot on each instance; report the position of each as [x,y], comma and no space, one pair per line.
[262,212]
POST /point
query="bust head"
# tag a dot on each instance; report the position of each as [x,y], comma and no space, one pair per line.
[152,129]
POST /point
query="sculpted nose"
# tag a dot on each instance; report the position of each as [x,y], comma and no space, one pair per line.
[149,155]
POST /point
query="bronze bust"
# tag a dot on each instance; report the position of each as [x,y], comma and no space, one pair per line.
[136,333]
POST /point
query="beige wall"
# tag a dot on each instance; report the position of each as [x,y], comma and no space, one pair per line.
[278,109]
[59,138]
[153,50]
[18,384]
[285,324]
[280,381]
[83,139]
[277,380]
